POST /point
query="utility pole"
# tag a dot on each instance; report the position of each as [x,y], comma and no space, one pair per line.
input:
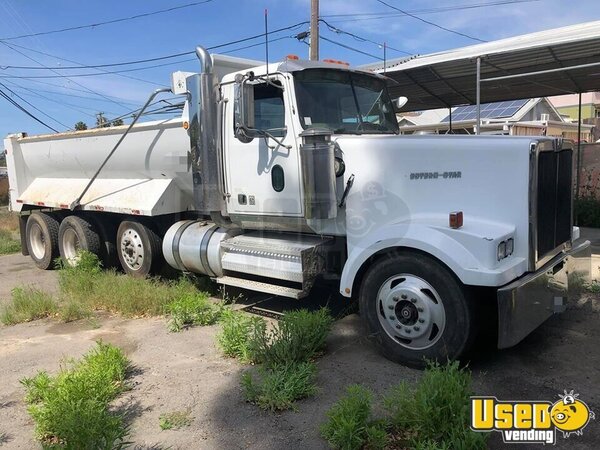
[314,30]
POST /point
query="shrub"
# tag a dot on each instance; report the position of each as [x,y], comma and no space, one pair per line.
[437,410]
[278,387]
[71,409]
[27,304]
[347,425]
[236,330]
[8,243]
[587,212]
[192,309]
[298,337]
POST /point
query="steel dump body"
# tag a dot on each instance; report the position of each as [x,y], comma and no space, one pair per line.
[147,175]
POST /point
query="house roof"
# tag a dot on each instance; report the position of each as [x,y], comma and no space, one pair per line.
[551,62]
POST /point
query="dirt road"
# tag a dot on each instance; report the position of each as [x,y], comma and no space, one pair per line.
[179,370]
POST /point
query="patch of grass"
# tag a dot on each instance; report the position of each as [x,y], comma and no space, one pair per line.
[71,409]
[9,233]
[433,415]
[278,387]
[9,243]
[437,409]
[298,337]
[236,332]
[94,289]
[27,304]
[175,420]
[349,422]
[192,309]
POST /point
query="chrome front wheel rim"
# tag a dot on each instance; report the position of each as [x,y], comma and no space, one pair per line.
[411,311]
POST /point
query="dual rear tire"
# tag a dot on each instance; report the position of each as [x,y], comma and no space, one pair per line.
[134,245]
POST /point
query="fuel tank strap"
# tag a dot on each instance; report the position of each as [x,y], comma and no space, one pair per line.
[175,244]
[204,250]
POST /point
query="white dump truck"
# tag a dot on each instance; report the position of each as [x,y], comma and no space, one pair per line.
[277,175]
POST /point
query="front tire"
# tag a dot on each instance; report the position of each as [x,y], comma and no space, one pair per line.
[41,236]
[139,249]
[416,310]
[75,235]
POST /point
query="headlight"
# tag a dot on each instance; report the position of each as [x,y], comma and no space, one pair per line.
[510,246]
[501,250]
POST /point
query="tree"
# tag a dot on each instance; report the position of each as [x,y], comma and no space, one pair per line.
[79,126]
[117,122]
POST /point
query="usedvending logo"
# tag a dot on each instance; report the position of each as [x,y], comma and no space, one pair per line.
[531,422]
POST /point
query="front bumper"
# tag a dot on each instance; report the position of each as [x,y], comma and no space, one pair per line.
[526,303]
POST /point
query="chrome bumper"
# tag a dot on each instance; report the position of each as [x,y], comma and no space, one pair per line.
[526,303]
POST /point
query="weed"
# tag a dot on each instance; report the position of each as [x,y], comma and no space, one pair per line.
[27,304]
[298,337]
[237,329]
[9,233]
[9,243]
[348,420]
[437,410]
[433,416]
[70,409]
[175,419]
[192,309]
[279,386]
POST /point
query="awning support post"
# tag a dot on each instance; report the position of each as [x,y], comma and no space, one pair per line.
[478,100]
[578,147]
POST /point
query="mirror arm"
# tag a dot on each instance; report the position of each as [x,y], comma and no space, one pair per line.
[280,143]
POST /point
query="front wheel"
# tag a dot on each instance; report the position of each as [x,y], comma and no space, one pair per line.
[416,310]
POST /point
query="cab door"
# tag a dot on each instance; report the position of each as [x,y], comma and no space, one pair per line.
[263,177]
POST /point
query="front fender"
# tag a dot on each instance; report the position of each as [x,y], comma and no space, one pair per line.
[476,266]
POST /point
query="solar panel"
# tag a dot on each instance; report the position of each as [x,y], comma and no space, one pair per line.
[497,110]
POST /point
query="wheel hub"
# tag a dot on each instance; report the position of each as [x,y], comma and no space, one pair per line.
[132,249]
[411,311]
[71,246]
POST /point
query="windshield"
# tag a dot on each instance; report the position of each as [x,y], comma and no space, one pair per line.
[345,102]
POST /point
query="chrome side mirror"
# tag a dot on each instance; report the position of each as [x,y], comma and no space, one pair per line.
[400,102]
[243,114]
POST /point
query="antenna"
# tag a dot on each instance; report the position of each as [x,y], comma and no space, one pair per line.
[267,39]
[384,56]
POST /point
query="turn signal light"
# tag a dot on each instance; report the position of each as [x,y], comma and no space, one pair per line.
[293,57]
[456,219]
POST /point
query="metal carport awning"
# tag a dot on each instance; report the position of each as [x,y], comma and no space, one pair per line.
[552,62]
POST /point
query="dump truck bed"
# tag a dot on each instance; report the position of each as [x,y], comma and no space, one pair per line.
[149,174]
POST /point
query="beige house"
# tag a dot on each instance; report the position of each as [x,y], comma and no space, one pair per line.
[535,117]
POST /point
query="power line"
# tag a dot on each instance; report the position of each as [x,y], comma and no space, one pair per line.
[350,48]
[32,105]
[430,23]
[139,61]
[68,78]
[383,14]
[14,103]
[98,24]
[360,38]
[82,66]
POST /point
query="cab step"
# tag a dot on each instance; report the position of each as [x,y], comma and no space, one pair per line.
[275,289]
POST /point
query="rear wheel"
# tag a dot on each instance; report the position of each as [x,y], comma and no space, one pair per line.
[75,235]
[41,237]
[139,249]
[416,310]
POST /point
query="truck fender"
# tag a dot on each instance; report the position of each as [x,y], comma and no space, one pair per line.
[422,237]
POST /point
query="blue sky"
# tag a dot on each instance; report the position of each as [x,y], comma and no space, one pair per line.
[213,23]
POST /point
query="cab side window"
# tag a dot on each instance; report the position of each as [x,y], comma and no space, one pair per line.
[269,111]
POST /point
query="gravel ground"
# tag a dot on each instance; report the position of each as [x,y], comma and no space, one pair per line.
[175,371]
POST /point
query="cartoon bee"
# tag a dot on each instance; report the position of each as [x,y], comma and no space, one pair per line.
[570,415]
